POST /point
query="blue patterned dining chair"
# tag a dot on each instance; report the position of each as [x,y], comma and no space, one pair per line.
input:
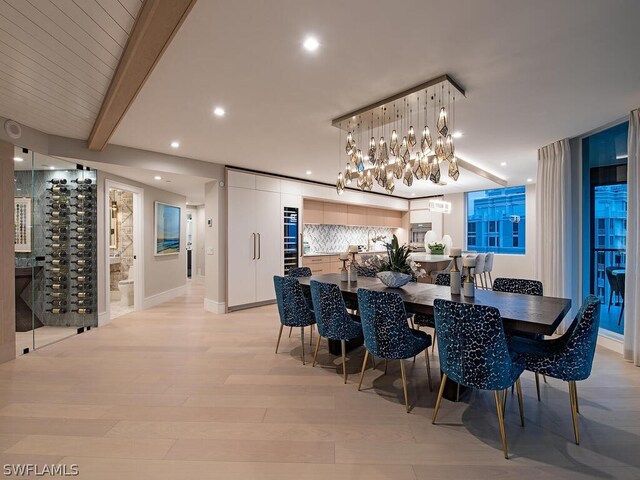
[569,357]
[332,319]
[299,272]
[387,334]
[426,320]
[473,352]
[292,307]
[522,286]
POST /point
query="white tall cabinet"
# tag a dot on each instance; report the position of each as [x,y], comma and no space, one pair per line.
[255,238]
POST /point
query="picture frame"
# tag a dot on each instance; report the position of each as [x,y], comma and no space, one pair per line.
[22,219]
[167,229]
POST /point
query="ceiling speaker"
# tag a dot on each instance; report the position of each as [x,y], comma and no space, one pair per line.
[13,129]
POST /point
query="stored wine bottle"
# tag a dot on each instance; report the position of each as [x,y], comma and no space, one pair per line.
[82,238]
[58,261]
[57,238]
[85,188]
[59,230]
[57,245]
[81,270]
[81,278]
[58,213]
[59,254]
[59,205]
[57,303]
[83,245]
[59,221]
[56,286]
[81,261]
[82,311]
[57,189]
[83,286]
[58,181]
[80,229]
[83,220]
[87,302]
[59,278]
[57,197]
[57,311]
[84,197]
[62,294]
[56,270]
[83,181]
[84,294]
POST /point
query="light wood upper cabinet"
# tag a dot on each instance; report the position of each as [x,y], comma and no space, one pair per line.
[357,215]
[376,217]
[393,218]
[313,211]
[335,214]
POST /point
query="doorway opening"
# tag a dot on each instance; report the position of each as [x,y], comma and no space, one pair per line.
[124,228]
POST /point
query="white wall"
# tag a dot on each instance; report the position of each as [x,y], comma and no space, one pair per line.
[200,232]
[515,266]
[164,276]
[215,210]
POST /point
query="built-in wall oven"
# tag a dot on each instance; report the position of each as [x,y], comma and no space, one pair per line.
[416,235]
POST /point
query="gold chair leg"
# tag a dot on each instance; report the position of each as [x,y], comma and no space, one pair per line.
[385,366]
[373,362]
[520,405]
[503,433]
[404,385]
[574,413]
[343,345]
[538,386]
[302,342]
[435,339]
[426,357]
[411,321]
[544,378]
[315,354]
[575,396]
[279,335]
[311,329]
[439,399]
[364,366]
[290,330]
[504,400]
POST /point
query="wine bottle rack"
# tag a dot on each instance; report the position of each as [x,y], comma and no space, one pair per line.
[70,269]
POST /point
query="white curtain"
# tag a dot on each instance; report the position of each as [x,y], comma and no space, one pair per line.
[553,210]
[632,281]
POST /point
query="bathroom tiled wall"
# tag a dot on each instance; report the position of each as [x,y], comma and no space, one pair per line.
[336,238]
[124,250]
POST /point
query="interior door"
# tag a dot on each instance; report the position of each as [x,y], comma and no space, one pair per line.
[269,225]
[242,246]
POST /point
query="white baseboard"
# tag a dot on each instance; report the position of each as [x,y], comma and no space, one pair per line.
[214,307]
[611,344]
[162,297]
[103,319]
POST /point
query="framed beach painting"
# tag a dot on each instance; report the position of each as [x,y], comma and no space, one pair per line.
[22,219]
[167,232]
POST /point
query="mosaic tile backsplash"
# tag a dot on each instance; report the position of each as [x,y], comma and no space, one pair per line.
[336,238]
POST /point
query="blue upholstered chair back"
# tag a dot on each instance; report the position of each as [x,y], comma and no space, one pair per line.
[331,314]
[518,285]
[384,324]
[299,272]
[472,346]
[574,360]
[292,306]
[443,279]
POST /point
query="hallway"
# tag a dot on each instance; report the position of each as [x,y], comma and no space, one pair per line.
[177,393]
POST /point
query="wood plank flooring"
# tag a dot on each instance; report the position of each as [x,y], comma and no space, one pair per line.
[177,393]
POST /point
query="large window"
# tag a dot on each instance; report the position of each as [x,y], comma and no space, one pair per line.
[496,220]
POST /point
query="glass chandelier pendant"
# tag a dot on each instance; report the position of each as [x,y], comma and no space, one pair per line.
[382,177]
[440,153]
[426,142]
[404,151]
[390,185]
[351,144]
[408,175]
[347,174]
[434,175]
[372,150]
[393,145]
[417,171]
[449,149]
[383,152]
[359,160]
[425,167]
[368,180]
[398,168]
[442,127]
[411,139]
[453,169]
[340,184]
[406,156]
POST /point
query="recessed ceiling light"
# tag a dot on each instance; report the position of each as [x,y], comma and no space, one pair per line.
[219,111]
[311,44]
[175,144]
[309,172]
[52,168]
[503,164]
[18,159]
[529,179]
[19,189]
[456,134]
[413,194]
[157,177]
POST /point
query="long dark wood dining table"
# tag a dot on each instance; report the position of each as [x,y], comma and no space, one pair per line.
[520,313]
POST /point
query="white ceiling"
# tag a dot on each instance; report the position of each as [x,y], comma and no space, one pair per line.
[57,58]
[534,72]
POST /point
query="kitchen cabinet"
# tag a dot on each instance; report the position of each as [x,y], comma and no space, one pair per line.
[357,215]
[393,218]
[335,214]
[313,211]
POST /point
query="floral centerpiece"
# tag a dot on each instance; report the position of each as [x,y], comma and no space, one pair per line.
[398,268]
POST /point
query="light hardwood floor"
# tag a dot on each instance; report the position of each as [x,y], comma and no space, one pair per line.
[177,393]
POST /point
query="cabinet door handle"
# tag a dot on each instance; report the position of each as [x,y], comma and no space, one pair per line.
[254,245]
[259,246]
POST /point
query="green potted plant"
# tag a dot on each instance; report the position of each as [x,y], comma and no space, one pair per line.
[436,248]
[398,269]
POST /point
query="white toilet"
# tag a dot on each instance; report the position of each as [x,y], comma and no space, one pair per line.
[126,289]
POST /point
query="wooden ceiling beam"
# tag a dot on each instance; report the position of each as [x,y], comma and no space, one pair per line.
[157,23]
